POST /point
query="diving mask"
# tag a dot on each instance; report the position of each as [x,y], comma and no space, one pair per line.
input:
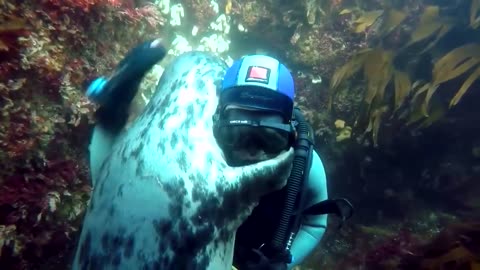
[248,136]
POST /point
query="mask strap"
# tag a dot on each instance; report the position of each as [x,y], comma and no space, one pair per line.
[284,127]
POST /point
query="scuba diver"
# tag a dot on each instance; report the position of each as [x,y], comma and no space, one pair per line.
[256,120]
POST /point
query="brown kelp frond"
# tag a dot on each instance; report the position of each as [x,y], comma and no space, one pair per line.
[417,113]
[379,71]
[431,25]
[474,76]
[345,72]
[474,14]
[366,20]
[403,85]
[392,19]
[452,65]
[350,68]
[375,121]
[410,37]
[377,66]
[456,62]
[417,110]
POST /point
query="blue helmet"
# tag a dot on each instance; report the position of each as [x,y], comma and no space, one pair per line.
[259,82]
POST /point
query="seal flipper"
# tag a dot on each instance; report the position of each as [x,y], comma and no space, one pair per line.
[115,94]
[258,179]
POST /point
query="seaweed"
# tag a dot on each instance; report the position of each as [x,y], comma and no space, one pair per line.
[455,247]
[431,24]
[48,49]
[379,71]
[474,16]
[391,88]
[452,65]
[366,20]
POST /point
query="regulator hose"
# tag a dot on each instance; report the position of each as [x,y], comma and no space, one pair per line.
[295,184]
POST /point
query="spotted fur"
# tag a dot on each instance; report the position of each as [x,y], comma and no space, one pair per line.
[164,197]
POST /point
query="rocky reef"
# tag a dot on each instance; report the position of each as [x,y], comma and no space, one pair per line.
[48,50]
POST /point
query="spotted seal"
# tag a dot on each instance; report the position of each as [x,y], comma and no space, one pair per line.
[164,198]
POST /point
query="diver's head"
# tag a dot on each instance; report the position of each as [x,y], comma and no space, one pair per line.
[253,121]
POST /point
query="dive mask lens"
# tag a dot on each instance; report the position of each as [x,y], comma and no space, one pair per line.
[254,138]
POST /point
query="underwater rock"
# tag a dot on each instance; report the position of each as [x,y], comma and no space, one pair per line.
[262,25]
[201,13]
[49,50]
[251,12]
[176,15]
[322,48]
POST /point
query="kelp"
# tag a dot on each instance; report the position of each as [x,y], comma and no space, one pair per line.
[474,16]
[452,65]
[375,121]
[350,68]
[377,67]
[380,74]
[365,21]
[378,70]
[402,87]
[474,76]
[420,91]
[430,25]
[392,19]
[417,112]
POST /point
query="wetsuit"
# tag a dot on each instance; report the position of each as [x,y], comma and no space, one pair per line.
[259,227]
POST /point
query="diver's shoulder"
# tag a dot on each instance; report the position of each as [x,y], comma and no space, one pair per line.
[317,177]
[317,160]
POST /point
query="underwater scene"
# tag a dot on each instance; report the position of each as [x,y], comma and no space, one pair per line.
[119,119]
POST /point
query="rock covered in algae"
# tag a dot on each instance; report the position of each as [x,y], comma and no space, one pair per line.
[322,47]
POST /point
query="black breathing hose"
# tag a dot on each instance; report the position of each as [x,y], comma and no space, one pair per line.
[295,183]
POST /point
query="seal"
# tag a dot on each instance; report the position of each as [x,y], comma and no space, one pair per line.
[164,196]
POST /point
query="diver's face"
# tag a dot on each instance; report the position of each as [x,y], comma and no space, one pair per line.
[247,144]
